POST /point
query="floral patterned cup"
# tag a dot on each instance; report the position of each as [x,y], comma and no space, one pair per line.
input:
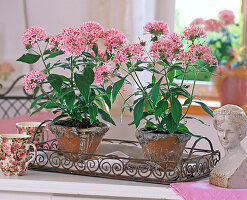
[29,128]
[14,153]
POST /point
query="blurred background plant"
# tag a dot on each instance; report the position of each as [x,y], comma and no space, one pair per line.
[6,69]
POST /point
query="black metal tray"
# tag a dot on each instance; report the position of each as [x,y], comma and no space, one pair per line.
[111,161]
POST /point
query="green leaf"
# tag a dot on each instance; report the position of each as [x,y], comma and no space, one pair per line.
[95,50]
[29,58]
[182,128]
[107,101]
[99,102]
[206,108]
[83,85]
[36,100]
[55,54]
[138,112]
[156,91]
[187,101]
[108,91]
[56,81]
[176,67]
[59,117]
[88,74]
[161,108]
[35,92]
[76,113]
[170,76]
[40,108]
[93,112]
[197,120]
[105,116]
[116,88]
[176,109]
[171,125]
[70,99]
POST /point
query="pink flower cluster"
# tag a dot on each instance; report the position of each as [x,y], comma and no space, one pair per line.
[156,28]
[194,32]
[170,48]
[200,52]
[32,35]
[197,21]
[71,41]
[102,72]
[130,51]
[32,78]
[92,31]
[114,39]
[213,25]
[227,17]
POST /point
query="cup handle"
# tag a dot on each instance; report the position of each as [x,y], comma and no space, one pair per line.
[35,154]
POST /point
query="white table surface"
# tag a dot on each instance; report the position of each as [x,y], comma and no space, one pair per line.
[58,184]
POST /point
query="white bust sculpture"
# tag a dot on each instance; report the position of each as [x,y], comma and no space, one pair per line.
[231,124]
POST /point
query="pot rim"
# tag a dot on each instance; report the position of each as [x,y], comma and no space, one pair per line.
[150,132]
[104,125]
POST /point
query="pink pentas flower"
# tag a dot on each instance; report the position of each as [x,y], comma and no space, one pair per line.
[102,72]
[32,78]
[128,52]
[197,21]
[54,40]
[32,35]
[170,48]
[194,32]
[114,39]
[156,28]
[227,17]
[92,31]
[213,25]
[72,42]
[200,52]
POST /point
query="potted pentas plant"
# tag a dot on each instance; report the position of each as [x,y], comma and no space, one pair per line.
[83,88]
[231,81]
[159,102]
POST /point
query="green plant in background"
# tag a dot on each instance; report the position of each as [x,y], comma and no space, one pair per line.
[157,103]
[223,38]
[84,90]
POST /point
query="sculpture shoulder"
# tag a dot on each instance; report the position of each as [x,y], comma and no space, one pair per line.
[227,171]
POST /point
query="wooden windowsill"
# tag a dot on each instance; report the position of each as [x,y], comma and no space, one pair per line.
[196,109]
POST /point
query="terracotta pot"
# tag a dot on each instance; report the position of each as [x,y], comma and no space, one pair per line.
[164,149]
[232,86]
[233,91]
[76,140]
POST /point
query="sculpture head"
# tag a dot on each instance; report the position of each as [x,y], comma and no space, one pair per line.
[231,124]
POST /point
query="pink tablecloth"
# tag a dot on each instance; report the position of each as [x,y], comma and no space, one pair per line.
[7,125]
[202,190]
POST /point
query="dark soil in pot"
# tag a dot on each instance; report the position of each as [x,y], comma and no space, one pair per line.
[74,142]
[162,148]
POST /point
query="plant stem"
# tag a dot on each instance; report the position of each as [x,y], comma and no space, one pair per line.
[192,93]
[49,97]
[120,93]
[184,75]
[42,57]
[72,73]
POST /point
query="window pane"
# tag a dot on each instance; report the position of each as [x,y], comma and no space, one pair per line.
[187,11]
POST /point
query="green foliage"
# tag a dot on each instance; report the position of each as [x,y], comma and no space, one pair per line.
[29,58]
[74,97]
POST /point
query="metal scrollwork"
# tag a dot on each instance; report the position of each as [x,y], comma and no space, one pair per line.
[191,167]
